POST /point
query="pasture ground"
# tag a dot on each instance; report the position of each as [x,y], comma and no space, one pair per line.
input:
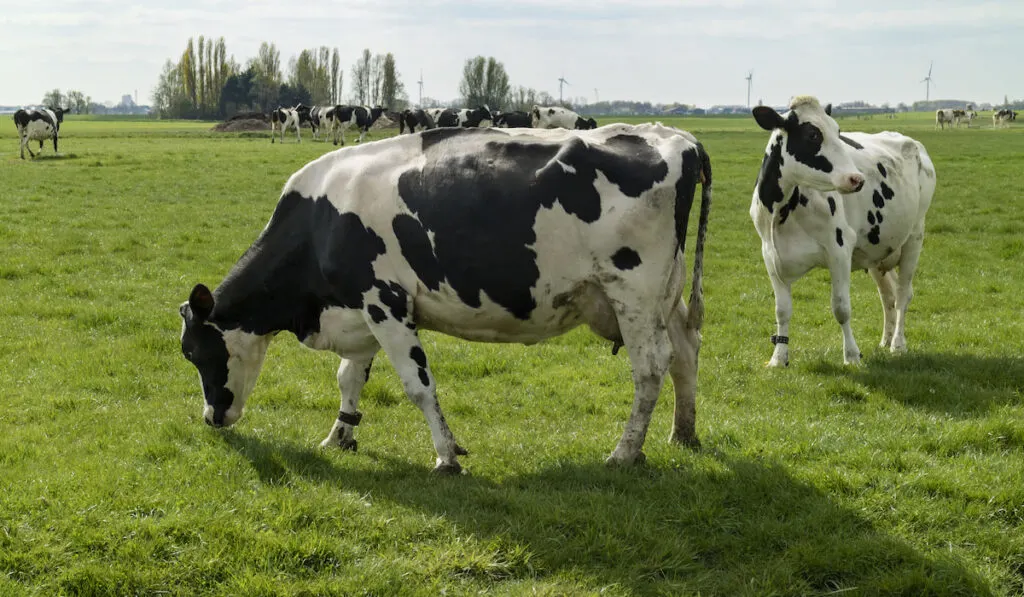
[903,476]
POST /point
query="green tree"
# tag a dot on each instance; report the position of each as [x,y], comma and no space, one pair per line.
[484,82]
[54,99]
[361,78]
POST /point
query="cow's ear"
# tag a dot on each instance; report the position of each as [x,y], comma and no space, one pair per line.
[201,302]
[767,118]
[828,109]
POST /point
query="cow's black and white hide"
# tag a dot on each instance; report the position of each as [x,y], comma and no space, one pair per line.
[489,235]
[360,117]
[1003,118]
[320,117]
[38,125]
[553,117]
[285,118]
[411,119]
[845,202]
[513,120]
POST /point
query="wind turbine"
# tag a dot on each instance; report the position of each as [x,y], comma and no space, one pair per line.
[561,81]
[750,79]
[420,83]
[928,82]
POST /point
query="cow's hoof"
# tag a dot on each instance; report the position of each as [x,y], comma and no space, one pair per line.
[777,364]
[448,469]
[461,451]
[686,441]
[349,445]
[615,461]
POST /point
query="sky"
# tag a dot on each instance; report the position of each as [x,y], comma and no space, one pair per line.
[663,51]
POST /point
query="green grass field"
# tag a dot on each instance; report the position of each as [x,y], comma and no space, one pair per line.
[904,476]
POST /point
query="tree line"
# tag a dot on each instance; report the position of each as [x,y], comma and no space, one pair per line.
[205,83]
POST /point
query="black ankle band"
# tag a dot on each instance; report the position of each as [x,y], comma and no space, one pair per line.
[780,339]
[350,419]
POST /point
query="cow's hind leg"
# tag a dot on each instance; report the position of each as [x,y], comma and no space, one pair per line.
[683,369]
[905,288]
[650,352]
[392,326]
[353,373]
[887,294]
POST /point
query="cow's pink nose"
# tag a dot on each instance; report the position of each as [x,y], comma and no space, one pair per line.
[855,182]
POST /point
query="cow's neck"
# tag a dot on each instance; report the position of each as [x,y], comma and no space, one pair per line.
[266,291]
[772,187]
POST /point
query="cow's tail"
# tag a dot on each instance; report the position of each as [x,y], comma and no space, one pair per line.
[695,307]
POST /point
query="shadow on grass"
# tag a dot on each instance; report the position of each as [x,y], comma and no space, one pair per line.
[957,384]
[720,526]
[44,157]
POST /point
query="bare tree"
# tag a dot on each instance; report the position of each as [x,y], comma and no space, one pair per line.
[361,78]
[54,99]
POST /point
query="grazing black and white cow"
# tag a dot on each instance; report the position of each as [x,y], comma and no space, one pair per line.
[414,118]
[38,125]
[484,234]
[360,117]
[552,117]
[841,201]
[1003,117]
[513,120]
[288,117]
[465,118]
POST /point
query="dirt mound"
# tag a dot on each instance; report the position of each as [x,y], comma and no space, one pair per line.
[239,125]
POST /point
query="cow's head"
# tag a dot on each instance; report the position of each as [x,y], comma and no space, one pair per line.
[228,360]
[59,113]
[585,124]
[486,118]
[806,139]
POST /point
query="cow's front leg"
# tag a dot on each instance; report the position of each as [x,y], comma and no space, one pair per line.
[783,313]
[353,373]
[839,269]
[650,352]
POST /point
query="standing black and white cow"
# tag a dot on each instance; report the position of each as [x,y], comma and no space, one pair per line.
[288,117]
[1003,117]
[845,202]
[945,116]
[465,118]
[38,125]
[320,117]
[551,117]
[484,234]
[360,117]
[513,120]
[414,118]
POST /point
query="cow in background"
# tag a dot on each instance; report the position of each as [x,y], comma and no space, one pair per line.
[465,118]
[1003,118]
[513,120]
[553,117]
[945,116]
[414,118]
[38,125]
[850,201]
[288,117]
[360,117]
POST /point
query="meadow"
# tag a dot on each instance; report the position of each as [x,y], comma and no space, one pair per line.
[903,476]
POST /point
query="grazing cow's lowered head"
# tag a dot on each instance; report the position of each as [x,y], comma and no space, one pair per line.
[585,124]
[228,359]
[806,149]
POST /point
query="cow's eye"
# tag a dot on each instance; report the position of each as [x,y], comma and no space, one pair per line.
[816,136]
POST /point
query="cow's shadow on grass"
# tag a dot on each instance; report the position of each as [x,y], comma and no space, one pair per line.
[956,384]
[715,525]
